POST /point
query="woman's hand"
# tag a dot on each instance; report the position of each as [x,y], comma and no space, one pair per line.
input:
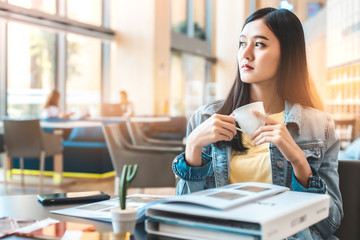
[276,132]
[216,128]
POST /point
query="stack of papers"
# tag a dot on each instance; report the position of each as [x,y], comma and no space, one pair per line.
[102,210]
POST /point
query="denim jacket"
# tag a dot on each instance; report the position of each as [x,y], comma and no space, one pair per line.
[312,130]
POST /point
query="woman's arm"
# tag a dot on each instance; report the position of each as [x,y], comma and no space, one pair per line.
[194,178]
[278,134]
[214,129]
[325,179]
[328,173]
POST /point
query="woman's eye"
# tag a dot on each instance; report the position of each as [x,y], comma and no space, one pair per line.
[259,44]
[242,44]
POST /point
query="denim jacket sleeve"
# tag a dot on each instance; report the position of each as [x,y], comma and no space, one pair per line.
[326,180]
[194,179]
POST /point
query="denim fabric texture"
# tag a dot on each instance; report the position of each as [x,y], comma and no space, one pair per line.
[311,129]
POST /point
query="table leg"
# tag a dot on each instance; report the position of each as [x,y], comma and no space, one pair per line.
[58,169]
[9,167]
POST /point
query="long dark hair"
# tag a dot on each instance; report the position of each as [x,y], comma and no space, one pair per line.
[293,83]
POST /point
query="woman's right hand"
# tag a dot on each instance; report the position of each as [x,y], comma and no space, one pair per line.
[216,128]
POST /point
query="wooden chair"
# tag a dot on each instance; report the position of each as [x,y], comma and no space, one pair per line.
[26,139]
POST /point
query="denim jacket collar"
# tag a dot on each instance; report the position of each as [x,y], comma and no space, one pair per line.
[293,115]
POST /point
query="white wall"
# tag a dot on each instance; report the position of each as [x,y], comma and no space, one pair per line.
[315,37]
[229,18]
[136,58]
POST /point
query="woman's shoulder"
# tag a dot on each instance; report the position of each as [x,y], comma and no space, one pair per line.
[310,114]
[314,115]
[312,123]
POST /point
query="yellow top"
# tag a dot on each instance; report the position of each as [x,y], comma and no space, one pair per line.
[253,165]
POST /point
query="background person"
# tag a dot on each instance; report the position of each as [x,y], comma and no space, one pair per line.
[126,107]
[51,108]
[296,148]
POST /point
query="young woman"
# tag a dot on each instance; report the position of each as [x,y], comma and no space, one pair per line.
[296,148]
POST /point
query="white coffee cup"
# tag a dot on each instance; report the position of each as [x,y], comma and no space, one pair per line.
[247,121]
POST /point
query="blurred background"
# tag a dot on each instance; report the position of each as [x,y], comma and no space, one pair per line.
[169,56]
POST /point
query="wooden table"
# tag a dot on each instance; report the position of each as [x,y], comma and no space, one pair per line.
[27,207]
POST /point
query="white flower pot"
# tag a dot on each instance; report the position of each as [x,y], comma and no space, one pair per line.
[124,220]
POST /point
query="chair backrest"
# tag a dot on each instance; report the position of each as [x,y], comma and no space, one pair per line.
[23,138]
[349,175]
[175,129]
[154,166]
[112,134]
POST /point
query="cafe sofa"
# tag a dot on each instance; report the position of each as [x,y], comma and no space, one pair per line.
[85,153]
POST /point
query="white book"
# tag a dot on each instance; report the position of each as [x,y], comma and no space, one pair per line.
[274,217]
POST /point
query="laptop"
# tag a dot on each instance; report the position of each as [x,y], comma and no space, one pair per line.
[111,110]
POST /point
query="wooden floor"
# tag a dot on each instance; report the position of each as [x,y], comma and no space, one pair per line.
[72,185]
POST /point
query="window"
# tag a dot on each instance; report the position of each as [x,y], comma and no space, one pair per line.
[184,15]
[199,19]
[190,73]
[31,69]
[48,6]
[188,84]
[41,53]
[178,16]
[87,11]
[83,71]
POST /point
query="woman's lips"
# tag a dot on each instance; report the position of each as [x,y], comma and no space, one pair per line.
[246,67]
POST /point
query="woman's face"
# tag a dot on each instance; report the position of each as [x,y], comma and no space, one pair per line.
[259,53]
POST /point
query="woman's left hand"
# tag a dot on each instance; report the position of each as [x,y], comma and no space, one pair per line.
[277,133]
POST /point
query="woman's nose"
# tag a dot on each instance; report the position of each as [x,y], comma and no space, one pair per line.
[247,53]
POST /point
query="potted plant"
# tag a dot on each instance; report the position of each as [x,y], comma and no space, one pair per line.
[124,218]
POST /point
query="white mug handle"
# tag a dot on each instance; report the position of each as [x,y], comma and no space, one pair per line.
[239,129]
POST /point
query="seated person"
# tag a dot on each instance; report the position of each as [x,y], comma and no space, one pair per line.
[297,147]
[126,107]
[51,108]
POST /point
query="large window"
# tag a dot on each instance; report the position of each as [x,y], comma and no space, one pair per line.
[40,52]
[31,69]
[190,81]
[83,75]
